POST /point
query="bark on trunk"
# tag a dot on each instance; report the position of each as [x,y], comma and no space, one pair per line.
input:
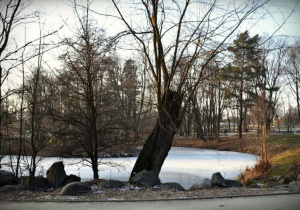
[198,121]
[298,100]
[241,108]
[95,169]
[33,164]
[159,142]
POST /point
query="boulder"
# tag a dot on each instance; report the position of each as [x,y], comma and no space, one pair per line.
[202,184]
[232,183]
[56,175]
[13,188]
[95,181]
[7,178]
[294,183]
[174,185]
[279,177]
[113,184]
[145,179]
[72,178]
[269,185]
[284,180]
[298,178]
[76,188]
[218,180]
[35,183]
[253,185]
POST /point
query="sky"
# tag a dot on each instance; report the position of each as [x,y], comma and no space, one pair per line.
[275,13]
[59,13]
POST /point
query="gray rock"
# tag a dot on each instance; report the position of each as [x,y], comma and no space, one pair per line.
[218,180]
[294,183]
[232,183]
[146,179]
[173,185]
[292,177]
[298,178]
[56,175]
[95,181]
[7,178]
[76,188]
[113,184]
[279,177]
[269,185]
[284,180]
[202,184]
[253,185]
[35,183]
[72,178]
[13,188]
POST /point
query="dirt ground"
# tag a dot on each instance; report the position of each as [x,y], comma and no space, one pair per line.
[135,193]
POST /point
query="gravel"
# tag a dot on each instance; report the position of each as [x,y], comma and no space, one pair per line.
[131,193]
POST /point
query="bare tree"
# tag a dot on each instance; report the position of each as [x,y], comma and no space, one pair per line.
[267,91]
[292,70]
[9,18]
[12,53]
[36,96]
[129,84]
[88,112]
[173,32]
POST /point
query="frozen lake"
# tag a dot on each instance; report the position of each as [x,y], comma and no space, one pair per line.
[183,165]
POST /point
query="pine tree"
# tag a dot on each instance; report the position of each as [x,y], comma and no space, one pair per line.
[243,71]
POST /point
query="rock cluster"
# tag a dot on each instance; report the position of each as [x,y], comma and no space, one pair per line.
[217,180]
[113,184]
[282,180]
[56,177]
[34,183]
[71,185]
[145,179]
[7,178]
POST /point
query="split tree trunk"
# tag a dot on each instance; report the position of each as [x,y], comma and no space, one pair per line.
[159,142]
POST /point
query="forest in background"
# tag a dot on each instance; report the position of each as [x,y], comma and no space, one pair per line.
[98,101]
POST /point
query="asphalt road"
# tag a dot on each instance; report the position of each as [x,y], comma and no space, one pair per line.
[274,202]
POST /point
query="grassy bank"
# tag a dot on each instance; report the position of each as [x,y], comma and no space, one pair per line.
[283,153]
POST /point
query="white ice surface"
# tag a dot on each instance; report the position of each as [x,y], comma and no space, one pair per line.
[183,165]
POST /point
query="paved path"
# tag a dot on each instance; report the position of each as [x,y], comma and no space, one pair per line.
[275,202]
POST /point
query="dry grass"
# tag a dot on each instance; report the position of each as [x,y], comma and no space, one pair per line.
[286,162]
[258,172]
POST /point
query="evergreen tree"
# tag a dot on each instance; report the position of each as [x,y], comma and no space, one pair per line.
[243,71]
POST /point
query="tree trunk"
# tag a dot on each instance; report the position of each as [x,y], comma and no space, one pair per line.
[229,126]
[197,119]
[241,108]
[198,122]
[159,142]
[21,118]
[298,99]
[33,164]
[1,117]
[95,169]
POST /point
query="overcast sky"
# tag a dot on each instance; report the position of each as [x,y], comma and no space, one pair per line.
[60,12]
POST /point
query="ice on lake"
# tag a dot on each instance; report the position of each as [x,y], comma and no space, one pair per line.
[183,165]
